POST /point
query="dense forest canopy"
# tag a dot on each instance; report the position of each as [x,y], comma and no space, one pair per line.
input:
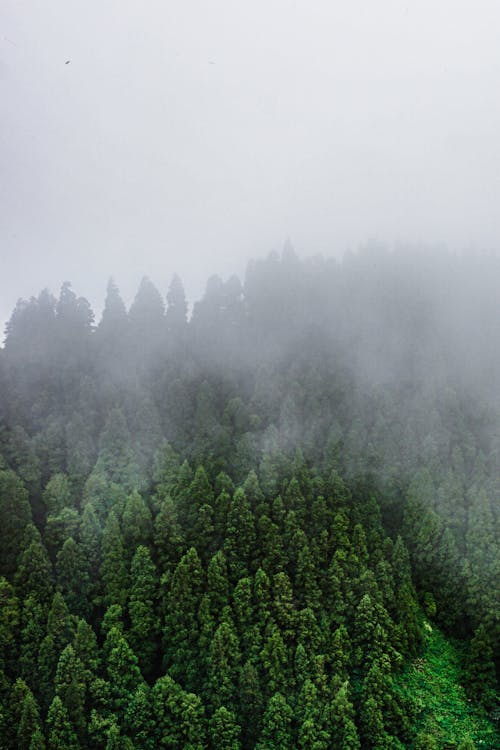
[244,527]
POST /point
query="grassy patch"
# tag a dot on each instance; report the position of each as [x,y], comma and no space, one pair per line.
[433,681]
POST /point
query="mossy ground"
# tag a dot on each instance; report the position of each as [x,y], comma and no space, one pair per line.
[434,681]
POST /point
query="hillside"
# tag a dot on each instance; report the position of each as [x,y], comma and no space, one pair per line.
[271,524]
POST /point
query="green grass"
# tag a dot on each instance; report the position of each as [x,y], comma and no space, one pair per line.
[433,681]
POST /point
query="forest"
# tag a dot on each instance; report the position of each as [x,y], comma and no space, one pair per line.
[271,523]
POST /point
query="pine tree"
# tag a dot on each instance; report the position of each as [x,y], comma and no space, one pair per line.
[224,731]
[180,718]
[140,719]
[10,616]
[312,732]
[176,315]
[240,536]
[480,669]
[87,650]
[33,622]
[223,663]
[136,523]
[217,582]
[283,605]
[57,494]
[72,577]
[113,326]
[29,721]
[113,570]
[33,577]
[91,546]
[15,513]
[274,659]
[250,704]
[276,729]
[340,652]
[123,672]
[180,635]
[116,460]
[144,625]
[167,535]
[61,734]
[70,686]
[344,735]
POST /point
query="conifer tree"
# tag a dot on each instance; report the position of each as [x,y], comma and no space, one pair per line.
[176,314]
[122,671]
[343,732]
[113,570]
[223,663]
[10,616]
[167,535]
[180,635]
[480,668]
[70,686]
[29,721]
[72,577]
[136,523]
[139,718]
[15,513]
[61,734]
[240,536]
[276,728]
[224,731]
[33,576]
[144,623]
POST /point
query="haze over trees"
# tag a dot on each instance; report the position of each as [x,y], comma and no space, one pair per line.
[244,529]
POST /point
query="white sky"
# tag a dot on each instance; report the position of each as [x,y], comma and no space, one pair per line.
[190,136]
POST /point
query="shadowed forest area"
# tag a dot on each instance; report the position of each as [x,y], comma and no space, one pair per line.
[271,524]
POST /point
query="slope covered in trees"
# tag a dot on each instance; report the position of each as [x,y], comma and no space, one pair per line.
[232,530]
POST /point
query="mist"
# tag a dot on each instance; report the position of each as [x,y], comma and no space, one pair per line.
[250,379]
[190,137]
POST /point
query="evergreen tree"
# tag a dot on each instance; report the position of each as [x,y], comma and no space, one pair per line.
[176,315]
[123,672]
[240,536]
[144,625]
[139,718]
[167,535]
[15,513]
[223,662]
[113,326]
[224,731]
[136,522]
[116,458]
[29,721]
[180,635]
[72,577]
[113,568]
[276,730]
[10,617]
[344,735]
[480,668]
[61,733]
[70,687]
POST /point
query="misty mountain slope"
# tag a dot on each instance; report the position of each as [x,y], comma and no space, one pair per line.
[225,530]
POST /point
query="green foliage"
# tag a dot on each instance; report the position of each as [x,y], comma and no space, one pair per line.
[15,513]
[144,625]
[224,731]
[434,683]
[226,532]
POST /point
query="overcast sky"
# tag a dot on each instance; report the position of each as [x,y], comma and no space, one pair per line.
[190,136]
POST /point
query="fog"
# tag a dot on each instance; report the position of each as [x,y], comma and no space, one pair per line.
[190,136]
